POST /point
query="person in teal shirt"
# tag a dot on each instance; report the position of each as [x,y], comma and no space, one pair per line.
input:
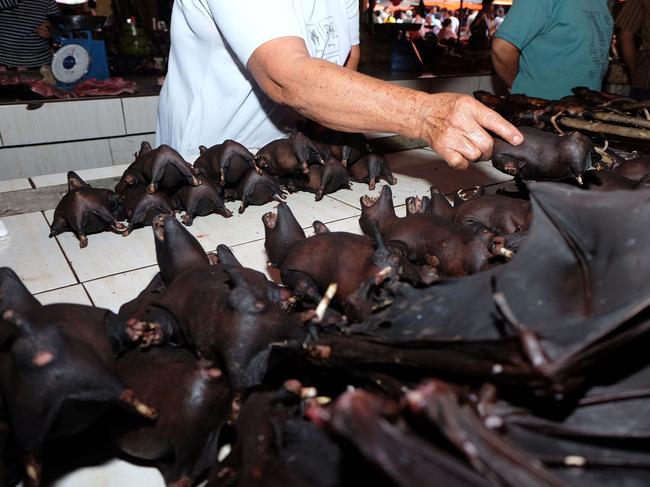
[546,47]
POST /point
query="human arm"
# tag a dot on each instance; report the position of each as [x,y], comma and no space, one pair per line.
[454,125]
[525,21]
[505,59]
[628,22]
[628,50]
[43,30]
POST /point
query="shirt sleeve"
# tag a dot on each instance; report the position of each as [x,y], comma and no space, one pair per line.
[5,4]
[631,16]
[525,21]
[52,7]
[247,25]
[352,11]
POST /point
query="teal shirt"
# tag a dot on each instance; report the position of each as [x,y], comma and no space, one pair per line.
[563,44]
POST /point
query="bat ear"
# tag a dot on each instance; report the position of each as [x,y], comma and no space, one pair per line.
[320,227]
[144,147]
[226,257]
[75,181]
[242,297]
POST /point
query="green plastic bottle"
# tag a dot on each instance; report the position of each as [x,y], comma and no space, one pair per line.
[134,39]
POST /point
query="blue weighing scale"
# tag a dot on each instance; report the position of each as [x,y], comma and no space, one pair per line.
[79,58]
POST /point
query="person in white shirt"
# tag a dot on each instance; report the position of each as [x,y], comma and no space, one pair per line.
[431,22]
[447,34]
[248,81]
[498,19]
[455,23]
[470,18]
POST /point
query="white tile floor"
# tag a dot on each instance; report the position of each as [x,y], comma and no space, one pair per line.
[37,259]
[113,291]
[72,294]
[114,269]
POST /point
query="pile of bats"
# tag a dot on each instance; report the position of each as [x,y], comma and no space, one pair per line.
[500,340]
[160,181]
[594,112]
[370,363]
[550,153]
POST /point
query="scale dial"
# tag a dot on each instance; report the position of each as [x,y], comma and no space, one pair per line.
[70,63]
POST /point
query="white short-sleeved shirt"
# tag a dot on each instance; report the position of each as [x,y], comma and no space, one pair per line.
[209,96]
[455,23]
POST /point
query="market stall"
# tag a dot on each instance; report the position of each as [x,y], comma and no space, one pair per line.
[306,301]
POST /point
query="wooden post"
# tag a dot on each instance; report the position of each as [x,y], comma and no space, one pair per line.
[460,21]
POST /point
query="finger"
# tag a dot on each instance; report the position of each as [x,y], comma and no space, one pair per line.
[491,120]
[482,141]
[453,158]
[464,146]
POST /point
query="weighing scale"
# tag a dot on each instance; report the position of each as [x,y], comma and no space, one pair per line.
[79,57]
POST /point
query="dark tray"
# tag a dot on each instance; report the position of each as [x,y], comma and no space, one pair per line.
[77,22]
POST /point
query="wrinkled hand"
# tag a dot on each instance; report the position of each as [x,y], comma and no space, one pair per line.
[456,125]
[43,30]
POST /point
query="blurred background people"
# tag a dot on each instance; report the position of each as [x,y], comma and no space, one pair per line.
[499,17]
[447,34]
[632,21]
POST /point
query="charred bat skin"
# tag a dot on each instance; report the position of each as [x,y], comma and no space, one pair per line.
[285,157]
[161,168]
[353,262]
[142,207]
[371,168]
[544,156]
[183,441]
[499,214]
[256,189]
[428,239]
[322,180]
[226,163]
[85,210]
[634,169]
[58,376]
[201,200]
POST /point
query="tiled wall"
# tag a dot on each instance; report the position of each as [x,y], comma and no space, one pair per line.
[78,134]
[86,134]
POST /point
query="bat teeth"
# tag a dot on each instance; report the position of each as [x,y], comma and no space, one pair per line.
[507,253]
[270,219]
[369,201]
[32,472]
